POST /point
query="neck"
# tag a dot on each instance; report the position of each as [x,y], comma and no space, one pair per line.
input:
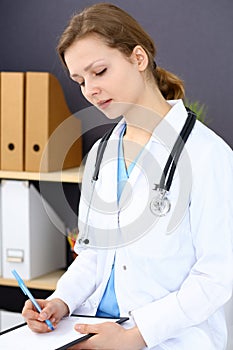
[142,119]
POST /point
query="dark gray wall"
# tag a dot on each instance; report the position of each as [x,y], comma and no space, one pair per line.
[193,39]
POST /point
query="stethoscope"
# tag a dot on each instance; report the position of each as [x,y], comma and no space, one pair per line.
[160,205]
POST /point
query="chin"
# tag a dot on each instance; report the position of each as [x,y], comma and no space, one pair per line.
[117,109]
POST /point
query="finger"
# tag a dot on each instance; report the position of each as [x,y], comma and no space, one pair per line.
[87,328]
[30,315]
[34,322]
[39,327]
[28,306]
[48,311]
[28,311]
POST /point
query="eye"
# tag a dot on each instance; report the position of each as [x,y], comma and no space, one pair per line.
[78,81]
[101,72]
[81,83]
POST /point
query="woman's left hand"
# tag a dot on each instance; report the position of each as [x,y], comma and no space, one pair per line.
[109,336]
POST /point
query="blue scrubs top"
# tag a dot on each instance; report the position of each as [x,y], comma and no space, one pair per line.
[108,306]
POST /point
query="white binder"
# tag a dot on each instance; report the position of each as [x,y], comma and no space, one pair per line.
[33,236]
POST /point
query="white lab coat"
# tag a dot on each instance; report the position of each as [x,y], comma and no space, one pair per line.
[172,274]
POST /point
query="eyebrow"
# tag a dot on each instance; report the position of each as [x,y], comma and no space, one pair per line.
[86,68]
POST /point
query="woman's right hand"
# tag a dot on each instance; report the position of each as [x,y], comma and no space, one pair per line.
[52,310]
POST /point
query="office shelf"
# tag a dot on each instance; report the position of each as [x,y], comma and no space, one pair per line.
[73,175]
[45,282]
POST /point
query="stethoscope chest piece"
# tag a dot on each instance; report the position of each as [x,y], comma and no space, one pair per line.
[160,204]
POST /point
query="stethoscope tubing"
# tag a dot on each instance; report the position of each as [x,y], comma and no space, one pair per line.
[176,152]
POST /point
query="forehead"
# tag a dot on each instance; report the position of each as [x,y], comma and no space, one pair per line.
[85,50]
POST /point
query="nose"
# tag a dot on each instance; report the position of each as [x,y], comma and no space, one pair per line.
[91,90]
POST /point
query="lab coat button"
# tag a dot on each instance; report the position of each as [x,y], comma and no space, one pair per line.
[124,267]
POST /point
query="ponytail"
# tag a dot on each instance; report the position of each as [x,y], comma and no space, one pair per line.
[171,86]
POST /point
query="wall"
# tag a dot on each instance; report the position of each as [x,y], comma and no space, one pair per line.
[193,39]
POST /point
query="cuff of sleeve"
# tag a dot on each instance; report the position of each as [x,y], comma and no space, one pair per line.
[160,320]
[71,306]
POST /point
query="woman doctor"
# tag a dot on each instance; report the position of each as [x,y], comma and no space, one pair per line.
[162,257]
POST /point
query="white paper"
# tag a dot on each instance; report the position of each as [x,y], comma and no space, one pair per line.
[23,338]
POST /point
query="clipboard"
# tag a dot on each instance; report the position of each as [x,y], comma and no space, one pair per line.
[63,337]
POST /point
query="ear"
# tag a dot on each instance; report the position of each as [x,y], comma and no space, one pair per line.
[140,57]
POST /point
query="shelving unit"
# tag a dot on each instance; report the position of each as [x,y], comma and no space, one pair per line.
[45,282]
[74,175]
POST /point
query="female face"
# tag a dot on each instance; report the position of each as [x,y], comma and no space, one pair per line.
[108,79]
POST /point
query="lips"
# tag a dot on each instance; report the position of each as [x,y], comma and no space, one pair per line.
[104,103]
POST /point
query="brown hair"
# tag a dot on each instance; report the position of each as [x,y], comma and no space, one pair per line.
[121,31]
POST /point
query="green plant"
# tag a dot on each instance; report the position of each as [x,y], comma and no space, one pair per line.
[198,108]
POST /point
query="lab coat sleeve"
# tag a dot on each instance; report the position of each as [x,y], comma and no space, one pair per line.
[78,282]
[209,283]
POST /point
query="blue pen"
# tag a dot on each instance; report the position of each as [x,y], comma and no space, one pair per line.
[30,296]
